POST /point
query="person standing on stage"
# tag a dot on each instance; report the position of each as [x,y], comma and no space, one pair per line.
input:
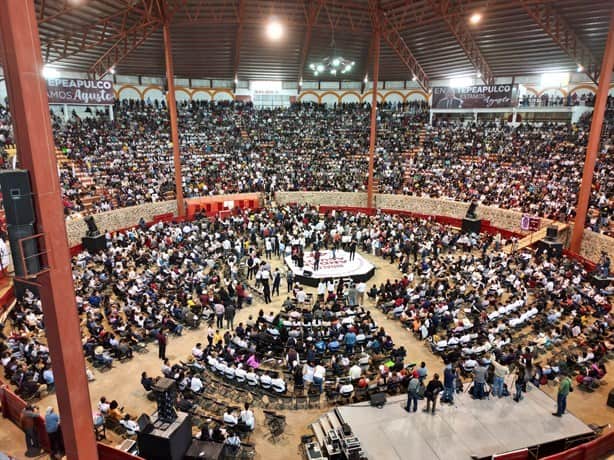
[316,260]
[352,249]
[561,396]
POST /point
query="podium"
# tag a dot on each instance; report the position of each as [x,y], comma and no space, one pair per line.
[471,225]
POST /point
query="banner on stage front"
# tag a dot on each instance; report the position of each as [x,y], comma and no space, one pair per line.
[80,91]
[474,97]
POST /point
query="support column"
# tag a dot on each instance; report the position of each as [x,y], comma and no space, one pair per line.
[111,113]
[66,115]
[172,111]
[373,135]
[593,140]
[29,106]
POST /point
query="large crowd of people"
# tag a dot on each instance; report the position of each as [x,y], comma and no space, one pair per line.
[230,147]
[470,300]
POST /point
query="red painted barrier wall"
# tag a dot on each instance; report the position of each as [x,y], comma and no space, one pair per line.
[593,450]
[13,405]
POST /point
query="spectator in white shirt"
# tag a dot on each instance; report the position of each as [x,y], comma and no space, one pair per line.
[247,419]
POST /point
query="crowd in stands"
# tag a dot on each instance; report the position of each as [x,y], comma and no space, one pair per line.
[230,147]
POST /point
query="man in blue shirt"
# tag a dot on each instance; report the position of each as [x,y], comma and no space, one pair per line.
[350,341]
[449,378]
[52,426]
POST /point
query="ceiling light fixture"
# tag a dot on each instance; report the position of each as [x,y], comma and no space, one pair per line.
[414,77]
[50,72]
[112,70]
[274,30]
[332,64]
[478,74]
[475,18]
[580,68]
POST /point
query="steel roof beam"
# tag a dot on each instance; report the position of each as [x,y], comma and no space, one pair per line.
[128,42]
[454,17]
[312,15]
[238,39]
[111,28]
[557,28]
[392,36]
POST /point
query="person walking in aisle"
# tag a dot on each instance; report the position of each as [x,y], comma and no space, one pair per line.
[162,339]
[290,280]
[229,313]
[276,281]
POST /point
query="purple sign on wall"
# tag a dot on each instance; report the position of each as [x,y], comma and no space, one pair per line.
[80,91]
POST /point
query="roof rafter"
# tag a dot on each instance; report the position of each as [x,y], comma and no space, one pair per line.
[238,38]
[392,36]
[112,27]
[557,28]
[314,7]
[453,15]
[127,43]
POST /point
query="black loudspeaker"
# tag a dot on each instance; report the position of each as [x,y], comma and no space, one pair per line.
[307,273]
[611,398]
[552,233]
[94,243]
[599,282]
[553,248]
[169,441]
[471,225]
[30,248]
[378,400]
[165,391]
[144,422]
[17,197]
[471,214]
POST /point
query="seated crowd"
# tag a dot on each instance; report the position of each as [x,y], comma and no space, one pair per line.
[474,303]
[230,147]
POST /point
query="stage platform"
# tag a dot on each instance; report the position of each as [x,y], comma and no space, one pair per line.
[341,266]
[468,429]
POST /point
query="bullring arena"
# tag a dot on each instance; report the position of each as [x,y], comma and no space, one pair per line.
[220,242]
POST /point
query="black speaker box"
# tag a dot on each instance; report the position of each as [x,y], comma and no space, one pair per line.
[471,225]
[17,197]
[30,248]
[599,282]
[552,233]
[170,442]
[378,400]
[94,243]
[553,248]
[307,273]
[611,398]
